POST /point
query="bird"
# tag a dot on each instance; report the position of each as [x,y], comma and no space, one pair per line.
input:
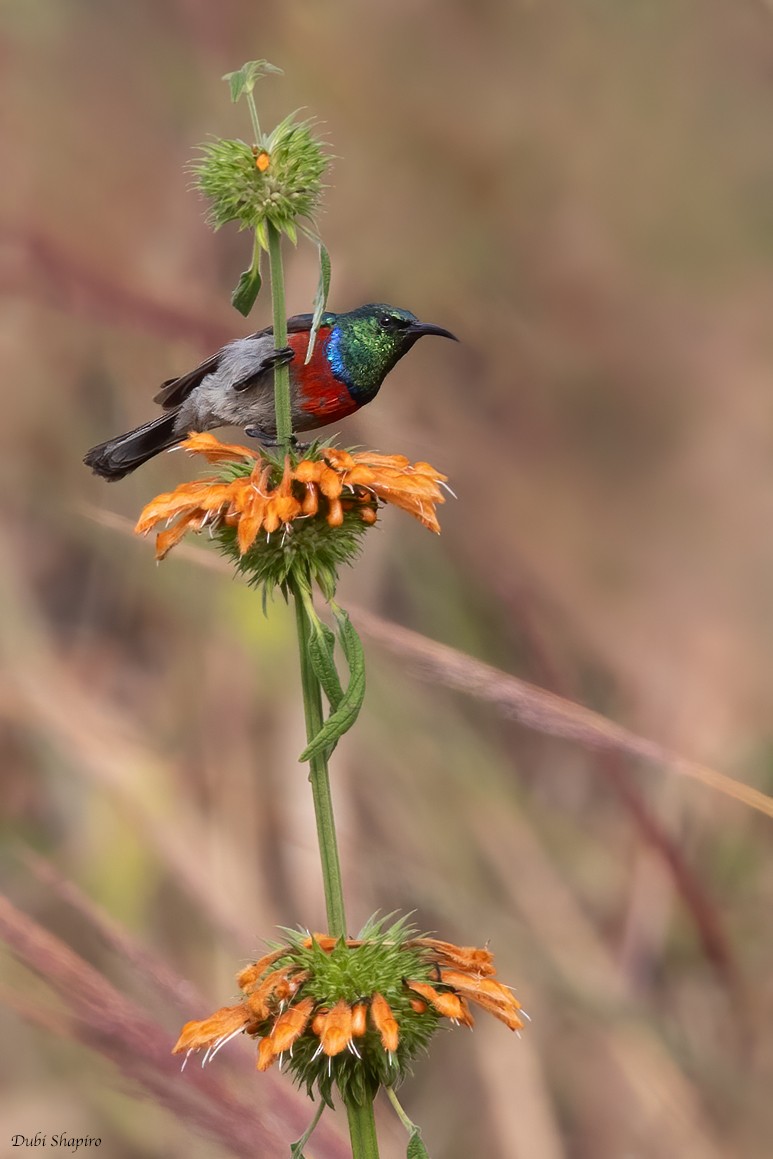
[353,353]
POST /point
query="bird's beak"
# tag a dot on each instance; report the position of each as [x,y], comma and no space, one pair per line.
[420,328]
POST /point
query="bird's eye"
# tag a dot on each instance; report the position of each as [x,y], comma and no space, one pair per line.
[393,322]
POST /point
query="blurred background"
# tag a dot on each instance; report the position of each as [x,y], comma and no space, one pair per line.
[583,192]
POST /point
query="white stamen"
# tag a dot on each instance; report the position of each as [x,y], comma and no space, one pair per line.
[354,1049]
[226,1038]
[206,1056]
[187,1056]
[445,486]
[317,1052]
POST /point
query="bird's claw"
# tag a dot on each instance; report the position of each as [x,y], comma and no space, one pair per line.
[281,356]
[268,440]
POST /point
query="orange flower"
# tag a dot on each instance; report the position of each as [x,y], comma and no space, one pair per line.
[327,487]
[385,1022]
[468,958]
[335,1029]
[446,1002]
[375,1032]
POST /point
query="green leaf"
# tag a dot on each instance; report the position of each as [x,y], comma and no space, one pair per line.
[320,298]
[344,716]
[321,654]
[243,297]
[416,1148]
[244,79]
[291,231]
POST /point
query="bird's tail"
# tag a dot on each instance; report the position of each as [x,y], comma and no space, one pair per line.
[117,457]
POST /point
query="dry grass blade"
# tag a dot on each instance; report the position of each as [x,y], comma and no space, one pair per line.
[153,974]
[516,699]
[540,710]
[101,1017]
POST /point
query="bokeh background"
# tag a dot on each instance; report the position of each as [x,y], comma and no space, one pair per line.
[583,191]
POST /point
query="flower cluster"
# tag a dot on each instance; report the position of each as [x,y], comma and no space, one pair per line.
[354,1011]
[320,503]
[278,180]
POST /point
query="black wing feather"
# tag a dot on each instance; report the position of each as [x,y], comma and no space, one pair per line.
[176,390]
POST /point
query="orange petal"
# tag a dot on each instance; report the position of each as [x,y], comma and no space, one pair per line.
[291,1025]
[341,460]
[373,459]
[172,503]
[336,1032]
[197,1034]
[202,443]
[248,978]
[335,516]
[310,504]
[472,959]
[488,994]
[266,1054]
[360,476]
[309,470]
[252,519]
[166,540]
[318,1021]
[259,999]
[325,941]
[359,1019]
[477,986]
[384,1022]
[330,483]
[466,1016]
[287,508]
[446,1002]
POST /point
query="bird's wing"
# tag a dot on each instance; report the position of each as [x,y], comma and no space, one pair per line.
[298,324]
[176,390]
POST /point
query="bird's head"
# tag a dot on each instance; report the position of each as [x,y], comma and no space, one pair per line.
[369,341]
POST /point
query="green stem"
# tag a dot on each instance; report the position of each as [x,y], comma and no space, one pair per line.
[284,418]
[362,1131]
[254,118]
[320,780]
[406,1122]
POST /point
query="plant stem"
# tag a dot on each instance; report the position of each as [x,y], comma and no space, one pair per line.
[284,419]
[406,1122]
[362,1131]
[320,781]
[362,1123]
[254,118]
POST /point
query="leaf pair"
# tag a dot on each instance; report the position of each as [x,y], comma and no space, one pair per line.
[345,703]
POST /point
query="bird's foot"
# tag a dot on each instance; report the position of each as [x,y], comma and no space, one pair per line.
[280,357]
[269,440]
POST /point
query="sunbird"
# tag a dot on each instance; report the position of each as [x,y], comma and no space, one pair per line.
[353,354]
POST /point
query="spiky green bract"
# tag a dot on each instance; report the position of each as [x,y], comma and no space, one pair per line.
[308,549]
[379,965]
[290,188]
